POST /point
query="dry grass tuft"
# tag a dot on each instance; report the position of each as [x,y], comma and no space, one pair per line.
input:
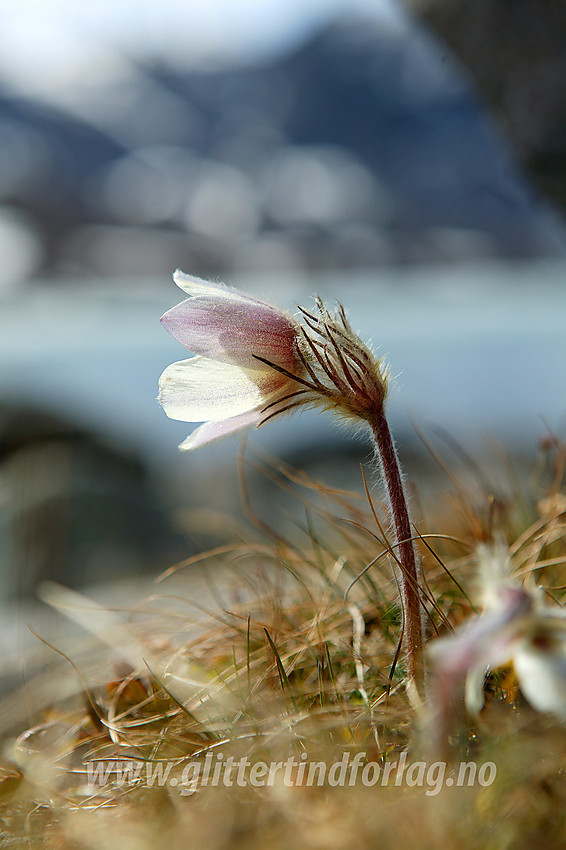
[299,659]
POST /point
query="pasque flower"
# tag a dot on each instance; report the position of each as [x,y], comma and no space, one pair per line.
[225,385]
[515,627]
[254,361]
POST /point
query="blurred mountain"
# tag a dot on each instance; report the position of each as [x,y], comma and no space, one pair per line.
[515,53]
[361,146]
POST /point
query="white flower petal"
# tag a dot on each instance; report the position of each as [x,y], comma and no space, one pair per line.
[474,697]
[197,287]
[212,431]
[542,677]
[199,389]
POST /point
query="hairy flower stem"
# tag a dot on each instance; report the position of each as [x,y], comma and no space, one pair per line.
[407,570]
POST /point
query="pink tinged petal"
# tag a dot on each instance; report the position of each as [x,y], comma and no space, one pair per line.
[223,324]
[489,641]
[199,389]
[212,431]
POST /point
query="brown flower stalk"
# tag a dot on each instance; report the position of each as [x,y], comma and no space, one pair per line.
[342,373]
